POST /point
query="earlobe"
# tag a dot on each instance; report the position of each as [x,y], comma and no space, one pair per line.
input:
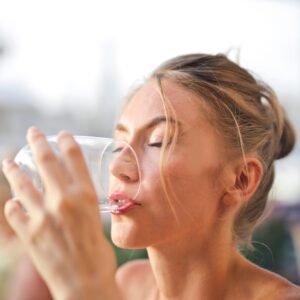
[232,197]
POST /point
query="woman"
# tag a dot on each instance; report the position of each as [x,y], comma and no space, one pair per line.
[206,134]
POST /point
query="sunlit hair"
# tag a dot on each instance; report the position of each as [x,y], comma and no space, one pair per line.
[244,110]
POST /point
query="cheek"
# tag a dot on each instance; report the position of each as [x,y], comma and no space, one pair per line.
[150,172]
[193,184]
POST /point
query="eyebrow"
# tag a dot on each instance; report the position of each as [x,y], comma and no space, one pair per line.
[154,122]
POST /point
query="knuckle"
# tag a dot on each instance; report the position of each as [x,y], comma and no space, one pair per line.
[63,205]
[11,168]
[70,201]
[38,227]
[72,150]
[10,209]
[23,186]
[46,156]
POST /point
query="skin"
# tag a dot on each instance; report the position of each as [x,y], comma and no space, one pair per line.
[22,273]
[25,283]
[6,233]
[62,234]
[189,239]
[193,253]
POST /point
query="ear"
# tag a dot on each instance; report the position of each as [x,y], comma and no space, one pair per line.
[245,178]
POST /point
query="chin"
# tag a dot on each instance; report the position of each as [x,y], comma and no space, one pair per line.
[128,236]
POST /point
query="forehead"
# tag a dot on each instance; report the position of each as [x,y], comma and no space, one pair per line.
[147,104]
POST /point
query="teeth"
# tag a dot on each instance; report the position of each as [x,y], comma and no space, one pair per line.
[121,201]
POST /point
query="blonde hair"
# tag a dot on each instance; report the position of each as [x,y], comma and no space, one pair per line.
[247,113]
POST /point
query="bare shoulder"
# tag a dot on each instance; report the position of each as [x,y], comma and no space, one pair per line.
[280,288]
[287,291]
[267,285]
[135,280]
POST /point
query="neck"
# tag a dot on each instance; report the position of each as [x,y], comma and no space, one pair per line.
[186,269]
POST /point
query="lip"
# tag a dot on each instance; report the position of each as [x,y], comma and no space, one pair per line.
[127,204]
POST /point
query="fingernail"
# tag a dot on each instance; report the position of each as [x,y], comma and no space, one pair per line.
[7,163]
[34,133]
[34,129]
[64,132]
[64,135]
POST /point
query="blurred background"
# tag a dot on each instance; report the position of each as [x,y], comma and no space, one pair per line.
[68,64]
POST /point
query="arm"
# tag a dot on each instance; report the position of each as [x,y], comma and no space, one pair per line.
[62,230]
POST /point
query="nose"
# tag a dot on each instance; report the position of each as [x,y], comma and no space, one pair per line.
[124,166]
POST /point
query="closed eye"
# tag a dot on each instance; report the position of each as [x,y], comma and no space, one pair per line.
[157,144]
[119,149]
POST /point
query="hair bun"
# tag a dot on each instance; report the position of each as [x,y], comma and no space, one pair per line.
[287,140]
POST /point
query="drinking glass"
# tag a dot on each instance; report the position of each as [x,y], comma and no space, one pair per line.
[99,154]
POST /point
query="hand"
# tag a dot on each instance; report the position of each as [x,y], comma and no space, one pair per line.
[61,228]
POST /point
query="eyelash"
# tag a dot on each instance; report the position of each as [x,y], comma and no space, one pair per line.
[117,150]
[157,145]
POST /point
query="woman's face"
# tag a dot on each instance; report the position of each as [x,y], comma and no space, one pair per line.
[193,168]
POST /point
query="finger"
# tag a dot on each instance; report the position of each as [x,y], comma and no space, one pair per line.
[50,169]
[22,186]
[16,217]
[73,158]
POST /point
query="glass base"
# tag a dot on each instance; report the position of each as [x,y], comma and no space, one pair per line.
[107,208]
